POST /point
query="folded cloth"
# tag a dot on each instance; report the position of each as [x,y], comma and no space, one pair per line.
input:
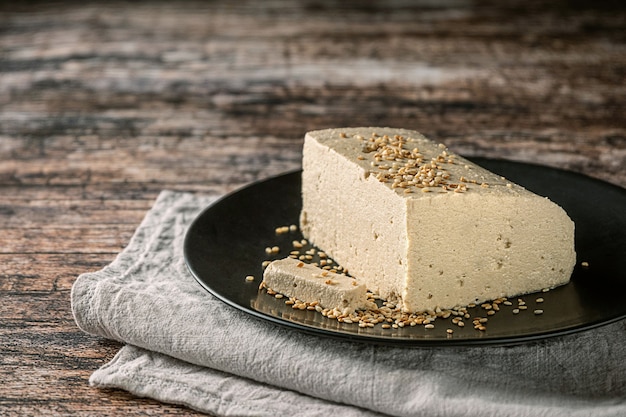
[185,346]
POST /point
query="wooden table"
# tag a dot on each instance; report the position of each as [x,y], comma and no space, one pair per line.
[104,105]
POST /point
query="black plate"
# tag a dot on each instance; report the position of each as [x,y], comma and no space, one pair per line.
[227,242]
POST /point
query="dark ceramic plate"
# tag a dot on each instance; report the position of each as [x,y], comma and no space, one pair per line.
[227,242]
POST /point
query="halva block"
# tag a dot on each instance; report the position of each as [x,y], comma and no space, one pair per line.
[414,222]
[310,284]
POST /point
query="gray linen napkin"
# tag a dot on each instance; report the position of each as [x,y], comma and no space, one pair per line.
[184,346]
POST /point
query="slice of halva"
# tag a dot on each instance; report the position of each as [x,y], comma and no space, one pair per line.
[308,283]
[420,224]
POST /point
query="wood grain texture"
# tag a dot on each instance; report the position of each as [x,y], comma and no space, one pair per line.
[104,105]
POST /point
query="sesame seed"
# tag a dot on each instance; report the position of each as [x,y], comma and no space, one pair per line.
[282,230]
[250,278]
[429,326]
[537,312]
[539,300]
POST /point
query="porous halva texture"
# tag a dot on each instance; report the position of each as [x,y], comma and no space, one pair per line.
[417,223]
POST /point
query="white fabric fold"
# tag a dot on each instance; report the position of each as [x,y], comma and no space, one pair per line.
[184,346]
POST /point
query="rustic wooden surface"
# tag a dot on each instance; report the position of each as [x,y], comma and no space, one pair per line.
[104,105]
